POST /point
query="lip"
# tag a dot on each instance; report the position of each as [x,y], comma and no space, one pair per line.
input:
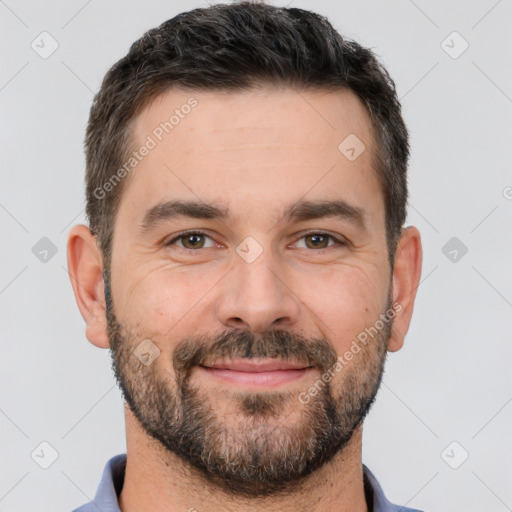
[257,365]
[256,372]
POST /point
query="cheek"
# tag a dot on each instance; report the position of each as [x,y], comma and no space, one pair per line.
[162,301]
[345,301]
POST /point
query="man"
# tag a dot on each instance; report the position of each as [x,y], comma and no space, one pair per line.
[245,260]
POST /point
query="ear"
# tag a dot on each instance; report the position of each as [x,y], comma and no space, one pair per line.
[406,279]
[85,268]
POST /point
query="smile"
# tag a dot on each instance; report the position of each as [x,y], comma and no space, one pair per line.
[256,372]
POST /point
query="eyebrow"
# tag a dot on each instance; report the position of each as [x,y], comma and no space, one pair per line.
[299,211]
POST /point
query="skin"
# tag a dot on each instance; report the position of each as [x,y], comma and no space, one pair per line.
[254,152]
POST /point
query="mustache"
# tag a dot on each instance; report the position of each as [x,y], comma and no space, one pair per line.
[275,344]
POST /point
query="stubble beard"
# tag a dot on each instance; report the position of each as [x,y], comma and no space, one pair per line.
[272,441]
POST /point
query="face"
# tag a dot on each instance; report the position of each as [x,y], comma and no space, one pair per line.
[249,256]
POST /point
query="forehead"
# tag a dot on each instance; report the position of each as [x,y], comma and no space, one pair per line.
[260,145]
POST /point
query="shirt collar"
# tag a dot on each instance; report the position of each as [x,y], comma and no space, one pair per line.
[112,482]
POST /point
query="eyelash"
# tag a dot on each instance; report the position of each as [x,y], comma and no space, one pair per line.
[183,234]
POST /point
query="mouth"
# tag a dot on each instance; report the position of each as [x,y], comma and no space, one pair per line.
[256,372]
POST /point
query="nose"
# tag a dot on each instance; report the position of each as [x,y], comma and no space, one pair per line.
[258,296]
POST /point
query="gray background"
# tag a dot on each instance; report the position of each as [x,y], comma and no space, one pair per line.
[450,383]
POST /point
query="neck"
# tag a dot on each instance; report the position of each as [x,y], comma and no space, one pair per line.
[157,480]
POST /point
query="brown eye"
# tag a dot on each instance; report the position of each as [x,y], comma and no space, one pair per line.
[317,241]
[192,241]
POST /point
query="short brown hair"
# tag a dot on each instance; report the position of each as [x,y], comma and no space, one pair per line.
[232,47]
